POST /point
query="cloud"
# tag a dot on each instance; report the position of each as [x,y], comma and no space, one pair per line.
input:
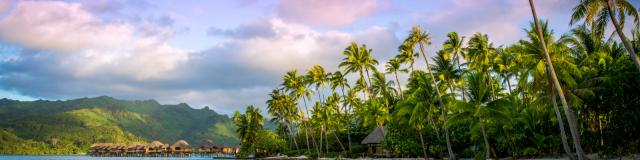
[4,5]
[276,46]
[91,46]
[326,13]
[501,20]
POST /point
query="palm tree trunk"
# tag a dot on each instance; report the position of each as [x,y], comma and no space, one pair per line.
[424,150]
[339,142]
[399,86]
[563,135]
[295,142]
[366,86]
[346,114]
[444,109]
[568,112]
[307,128]
[625,41]
[368,78]
[326,138]
[509,85]
[486,139]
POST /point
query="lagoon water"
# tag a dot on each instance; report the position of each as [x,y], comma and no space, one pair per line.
[86,157]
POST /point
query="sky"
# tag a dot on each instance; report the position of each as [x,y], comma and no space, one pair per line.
[223,54]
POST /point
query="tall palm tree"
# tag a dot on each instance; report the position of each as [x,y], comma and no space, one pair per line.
[282,110]
[358,59]
[568,112]
[533,61]
[296,85]
[393,67]
[479,106]
[337,79]
[417,36]
[597,14]
[420,100]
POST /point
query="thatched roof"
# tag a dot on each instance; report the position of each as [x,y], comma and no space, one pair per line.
[375,137]
[210,144]
[181,144]
[155,144]
[100,145]
[136,145]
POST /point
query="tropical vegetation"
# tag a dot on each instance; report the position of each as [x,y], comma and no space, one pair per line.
[542,96]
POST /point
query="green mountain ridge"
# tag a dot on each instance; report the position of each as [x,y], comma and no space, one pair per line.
[60,127]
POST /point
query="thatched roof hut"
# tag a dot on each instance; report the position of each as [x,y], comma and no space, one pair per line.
[210,144]
[180,145]
[375,137]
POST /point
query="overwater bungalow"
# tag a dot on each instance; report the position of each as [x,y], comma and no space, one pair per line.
[117,150]
[181,148]
[373,141]
[155,148]
[209,147]
[136,149]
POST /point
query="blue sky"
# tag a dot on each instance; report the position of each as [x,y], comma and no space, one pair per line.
[221,54]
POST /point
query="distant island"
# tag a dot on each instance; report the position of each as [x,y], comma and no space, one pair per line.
[71,126]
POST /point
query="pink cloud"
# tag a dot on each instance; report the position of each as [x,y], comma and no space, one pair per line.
[4,5]
[326,13]
[89,44]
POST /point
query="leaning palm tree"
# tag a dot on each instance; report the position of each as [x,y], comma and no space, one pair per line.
[597,14]
[568,112]
[417,36]
[393,67]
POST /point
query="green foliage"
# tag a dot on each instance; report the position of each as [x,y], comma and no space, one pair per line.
[268,143]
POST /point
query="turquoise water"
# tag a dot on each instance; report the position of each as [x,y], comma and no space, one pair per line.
[83,157]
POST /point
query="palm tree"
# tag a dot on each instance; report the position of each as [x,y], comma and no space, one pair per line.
[568,112]
[446,70]
[393,66]
[596,13]
[296,85]
[337,79]
[317,76]
[417,36]
[381,87]
[358,59]
[505,65]
[453,45]
[533,61]
[421,98]
[479,106]
[407,55]
[282,109]
[248,124]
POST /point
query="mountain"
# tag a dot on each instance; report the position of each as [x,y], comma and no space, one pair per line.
[62,127]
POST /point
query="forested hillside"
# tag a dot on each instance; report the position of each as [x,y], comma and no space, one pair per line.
[71,126]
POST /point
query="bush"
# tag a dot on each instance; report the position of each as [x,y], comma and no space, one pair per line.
[268,143]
